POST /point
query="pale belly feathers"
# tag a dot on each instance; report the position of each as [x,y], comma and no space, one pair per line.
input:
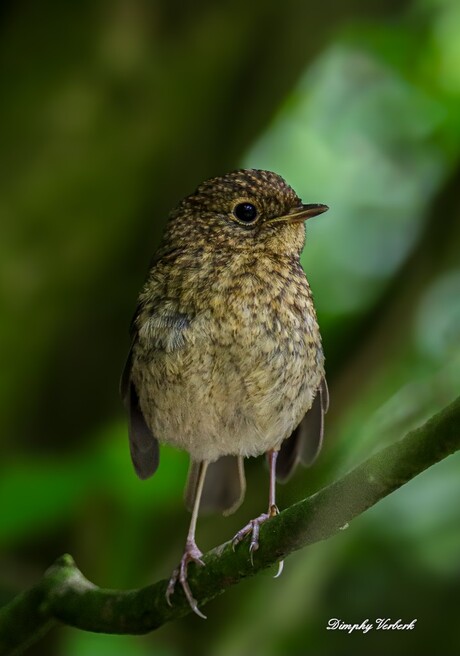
[238,390]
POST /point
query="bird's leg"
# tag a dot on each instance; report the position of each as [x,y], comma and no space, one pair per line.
[191,551]
[253,526]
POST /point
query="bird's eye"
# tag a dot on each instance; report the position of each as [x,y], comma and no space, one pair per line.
[245,212]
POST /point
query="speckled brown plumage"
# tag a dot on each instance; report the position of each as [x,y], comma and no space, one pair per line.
[226,357]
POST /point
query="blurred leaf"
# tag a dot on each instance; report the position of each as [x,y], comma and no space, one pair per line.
[40,493]
[358,137]
[81,643]
[37,494]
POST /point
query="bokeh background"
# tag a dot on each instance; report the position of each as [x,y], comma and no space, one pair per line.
[112,111]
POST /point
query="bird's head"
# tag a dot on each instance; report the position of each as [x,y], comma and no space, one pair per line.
[244,209]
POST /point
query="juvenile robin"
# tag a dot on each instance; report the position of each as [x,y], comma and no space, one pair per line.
[226,359]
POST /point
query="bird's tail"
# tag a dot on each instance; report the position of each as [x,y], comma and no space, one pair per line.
[224,487]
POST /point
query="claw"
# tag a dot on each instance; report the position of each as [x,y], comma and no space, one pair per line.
[194,555]
[273,511]
[280,569]
[255,537]
[253,547]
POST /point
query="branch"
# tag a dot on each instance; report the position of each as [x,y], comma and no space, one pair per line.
[65,595]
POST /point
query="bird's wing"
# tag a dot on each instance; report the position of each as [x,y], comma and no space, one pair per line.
[144,448]
[306,440]
[164,332]
[224,486]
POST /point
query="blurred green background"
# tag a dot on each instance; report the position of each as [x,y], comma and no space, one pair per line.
[110,113]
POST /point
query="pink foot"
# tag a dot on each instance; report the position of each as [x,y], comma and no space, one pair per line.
[253,528]
[194,555]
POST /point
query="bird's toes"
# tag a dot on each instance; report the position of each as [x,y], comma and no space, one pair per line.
[252,529]
[171,586]
[191,555]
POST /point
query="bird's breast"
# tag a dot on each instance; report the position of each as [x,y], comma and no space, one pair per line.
[249,371]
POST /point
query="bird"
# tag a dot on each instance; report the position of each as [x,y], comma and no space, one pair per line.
[226,359]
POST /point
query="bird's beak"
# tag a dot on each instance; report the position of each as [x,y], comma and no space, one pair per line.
[298,215]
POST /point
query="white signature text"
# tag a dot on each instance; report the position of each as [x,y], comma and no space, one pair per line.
[380,624]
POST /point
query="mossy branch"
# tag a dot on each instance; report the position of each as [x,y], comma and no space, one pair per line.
[64,595]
